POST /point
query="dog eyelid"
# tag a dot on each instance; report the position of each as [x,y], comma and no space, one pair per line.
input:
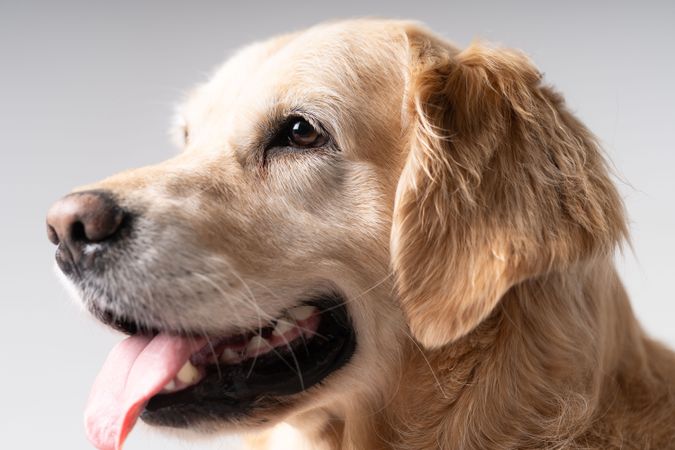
[297,132]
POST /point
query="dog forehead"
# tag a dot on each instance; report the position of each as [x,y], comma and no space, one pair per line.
[324,55]
[220,92]
[338,69]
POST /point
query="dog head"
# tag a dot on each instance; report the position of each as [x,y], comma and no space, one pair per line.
[339,188]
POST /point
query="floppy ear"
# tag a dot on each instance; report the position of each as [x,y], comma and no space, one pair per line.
[501,184]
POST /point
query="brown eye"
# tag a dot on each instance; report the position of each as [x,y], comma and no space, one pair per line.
[302,134]
[297,134]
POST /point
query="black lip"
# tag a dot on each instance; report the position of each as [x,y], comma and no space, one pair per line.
[120,323]
[250,388]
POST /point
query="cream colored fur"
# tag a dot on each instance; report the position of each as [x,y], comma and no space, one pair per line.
[466,214]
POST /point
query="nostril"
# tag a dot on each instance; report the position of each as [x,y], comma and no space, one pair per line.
[78,232]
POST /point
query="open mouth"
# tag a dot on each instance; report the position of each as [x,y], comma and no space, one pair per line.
[182,381]
[231,375]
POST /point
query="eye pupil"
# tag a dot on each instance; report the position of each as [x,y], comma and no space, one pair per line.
[303,134]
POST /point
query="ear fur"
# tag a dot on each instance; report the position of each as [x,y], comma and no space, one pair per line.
[501,184]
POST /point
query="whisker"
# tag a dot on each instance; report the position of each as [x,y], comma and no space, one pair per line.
[295,361]
[297,366]
[431,369]
[360,295]
[286,321]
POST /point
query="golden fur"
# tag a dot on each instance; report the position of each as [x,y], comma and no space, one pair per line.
[469,217]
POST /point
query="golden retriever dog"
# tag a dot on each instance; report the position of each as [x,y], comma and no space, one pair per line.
[371,240]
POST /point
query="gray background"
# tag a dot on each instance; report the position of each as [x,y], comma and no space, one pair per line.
[87,89]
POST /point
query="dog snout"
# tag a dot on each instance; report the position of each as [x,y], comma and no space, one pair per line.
[80,219]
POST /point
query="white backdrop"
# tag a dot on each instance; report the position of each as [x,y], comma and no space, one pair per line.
[87,89]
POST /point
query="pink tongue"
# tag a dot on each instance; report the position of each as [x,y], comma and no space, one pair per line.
[136,369]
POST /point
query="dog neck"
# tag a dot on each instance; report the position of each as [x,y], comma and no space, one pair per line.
[559,353]
[533,372]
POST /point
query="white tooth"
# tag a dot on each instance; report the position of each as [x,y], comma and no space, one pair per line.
[188,374]
[229,356]
[302,312]
[170,386]
[256,344]
[283,326]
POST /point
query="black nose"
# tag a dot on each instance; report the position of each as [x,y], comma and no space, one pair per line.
[79,219]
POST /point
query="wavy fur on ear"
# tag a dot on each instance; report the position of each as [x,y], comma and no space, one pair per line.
[501,184]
